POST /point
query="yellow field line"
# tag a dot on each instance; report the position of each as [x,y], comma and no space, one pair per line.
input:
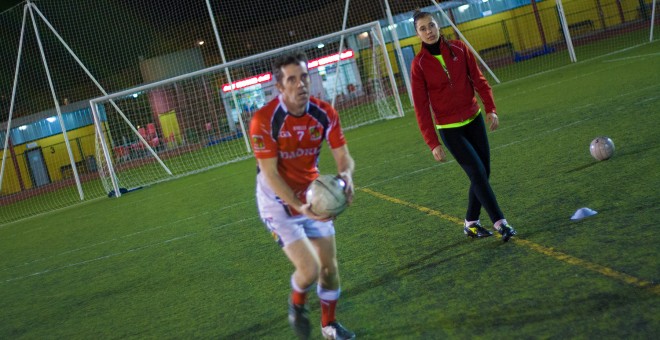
[609,272]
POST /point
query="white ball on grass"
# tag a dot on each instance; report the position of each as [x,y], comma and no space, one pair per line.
[602,148]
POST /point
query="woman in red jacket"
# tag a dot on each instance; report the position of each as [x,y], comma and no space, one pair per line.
[445,76]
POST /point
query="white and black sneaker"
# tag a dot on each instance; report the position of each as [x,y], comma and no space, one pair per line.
[475,230]
[506,231]
[336,331]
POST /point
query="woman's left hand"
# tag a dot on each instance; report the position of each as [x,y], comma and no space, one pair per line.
[493,121]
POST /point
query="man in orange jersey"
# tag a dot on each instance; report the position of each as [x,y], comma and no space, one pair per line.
[286,136]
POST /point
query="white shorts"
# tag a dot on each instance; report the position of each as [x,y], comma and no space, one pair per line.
[284,227]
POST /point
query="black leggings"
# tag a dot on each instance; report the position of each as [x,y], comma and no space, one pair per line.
[469,146]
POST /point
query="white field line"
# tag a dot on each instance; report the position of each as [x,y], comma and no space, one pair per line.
[84,215]
[50,270]
[365,186]
[127,236]
[574,64]
[546,85]
[452,161]
[648,99]
[504,84]
[133,250]
[499,147]
[643,56]
[244,220]
[101,243]
[164,194]
[76,205]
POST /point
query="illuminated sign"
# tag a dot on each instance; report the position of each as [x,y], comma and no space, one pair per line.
[262,78]
[331,59]
[266,77]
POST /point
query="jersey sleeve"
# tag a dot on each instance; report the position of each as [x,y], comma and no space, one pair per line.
[261,138]
[335,135]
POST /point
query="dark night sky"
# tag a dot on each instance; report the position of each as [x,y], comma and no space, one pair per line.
[6,4]
[170,26]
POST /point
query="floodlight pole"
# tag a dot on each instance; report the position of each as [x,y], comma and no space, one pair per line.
[403,68]
[567,32]
[341,47]
[652,20]
[231,84]
[13,97]
[476,54]
[74,168]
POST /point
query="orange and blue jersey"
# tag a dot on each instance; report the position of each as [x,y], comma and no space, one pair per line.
[295,140]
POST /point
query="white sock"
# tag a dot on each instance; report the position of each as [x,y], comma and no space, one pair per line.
[469,223]
[327,294]
[499,223]
[295,287]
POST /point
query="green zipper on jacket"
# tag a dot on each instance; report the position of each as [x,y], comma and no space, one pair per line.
[444,67]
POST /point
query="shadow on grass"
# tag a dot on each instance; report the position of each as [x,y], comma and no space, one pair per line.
[272,325]
[589,307]
[412,267]
[630,150]
[582,167]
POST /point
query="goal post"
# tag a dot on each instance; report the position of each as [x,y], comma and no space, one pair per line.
[653,7]
[566,31]
[197,121]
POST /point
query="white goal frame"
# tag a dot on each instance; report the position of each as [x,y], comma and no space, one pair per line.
[653,5]
[95,102]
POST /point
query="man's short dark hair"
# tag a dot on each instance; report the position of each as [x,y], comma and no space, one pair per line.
[293,58]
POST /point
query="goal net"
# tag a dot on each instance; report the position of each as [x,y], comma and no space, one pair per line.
[197,121]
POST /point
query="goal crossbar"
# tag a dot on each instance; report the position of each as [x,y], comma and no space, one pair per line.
[384,64]
[229,64]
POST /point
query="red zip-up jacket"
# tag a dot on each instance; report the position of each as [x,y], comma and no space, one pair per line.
[451,97]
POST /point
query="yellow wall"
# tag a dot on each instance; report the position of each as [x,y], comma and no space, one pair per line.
[10,182]
[523,31]
[488,32]
[55,156]
[611,11]
[609,7]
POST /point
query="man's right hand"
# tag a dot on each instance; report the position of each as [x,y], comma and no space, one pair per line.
[306,209]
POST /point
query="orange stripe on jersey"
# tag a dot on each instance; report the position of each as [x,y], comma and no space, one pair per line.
[295,141]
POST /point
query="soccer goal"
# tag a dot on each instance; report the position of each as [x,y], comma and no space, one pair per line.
[198,121]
